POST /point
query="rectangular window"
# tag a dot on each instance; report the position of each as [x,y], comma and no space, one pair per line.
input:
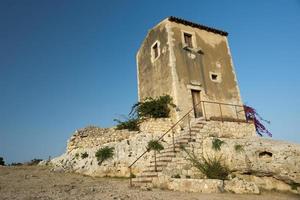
[155,50]
[188,40]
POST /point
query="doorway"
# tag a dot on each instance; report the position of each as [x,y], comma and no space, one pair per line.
[196,103]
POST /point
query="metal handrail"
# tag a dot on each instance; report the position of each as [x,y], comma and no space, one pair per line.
[165,133]
[181,119]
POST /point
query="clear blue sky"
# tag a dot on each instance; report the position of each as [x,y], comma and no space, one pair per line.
[68,64]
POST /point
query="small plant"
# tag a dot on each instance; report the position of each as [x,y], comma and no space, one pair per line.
[2,161]
[217,143]
[213,168]
[132,175]
[84,155]
[76,155]
[153,108]
[238,148]
[294,186]
[104,153]
[176,176]
[155,145]
[132,124]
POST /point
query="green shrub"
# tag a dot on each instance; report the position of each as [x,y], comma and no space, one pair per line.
[217,143]
[132,124]
[153,108]
[76,155]
[2,161]
[155,145]
[212,167]
[238,148]
[104,153]
[84,155]
[132,175]
[294,186]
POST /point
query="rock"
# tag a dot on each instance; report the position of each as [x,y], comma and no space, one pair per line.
[58,169]
[146,188]
[240,186]
[196,185]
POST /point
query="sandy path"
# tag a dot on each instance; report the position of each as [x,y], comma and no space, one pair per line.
[31,183]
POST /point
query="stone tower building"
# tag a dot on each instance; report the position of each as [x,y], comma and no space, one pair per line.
[191,63]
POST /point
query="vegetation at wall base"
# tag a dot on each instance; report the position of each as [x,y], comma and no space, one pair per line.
[84,155]
[104,153]
[238,148]
[217,143]
[211,167]
[132,124]
[155,145]
[251,114]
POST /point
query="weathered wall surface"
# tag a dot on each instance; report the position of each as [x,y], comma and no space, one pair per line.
[156,126]
[178,70]
[267,163]
[263,162]
[154,76]
[193,70]
[90,137]
[127,147]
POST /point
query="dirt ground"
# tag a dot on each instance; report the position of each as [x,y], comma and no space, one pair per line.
[31,183]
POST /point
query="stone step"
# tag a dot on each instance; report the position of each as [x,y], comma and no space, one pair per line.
[182,142]
[186,137]
[187,134]
[152,169]
[165,154]
[169,150]
[148,174]
[158,164]
[195,130]
[164,159]
[142,180]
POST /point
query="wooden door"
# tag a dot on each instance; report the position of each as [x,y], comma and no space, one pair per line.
[196,103]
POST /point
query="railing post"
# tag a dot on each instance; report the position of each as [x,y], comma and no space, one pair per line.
[130,177]
[189,121]
[221,112]
[237,116]
[204,110]
[155,167]
[173,140]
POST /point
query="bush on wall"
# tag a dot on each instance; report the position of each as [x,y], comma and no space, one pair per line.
[150,108]
[153,107]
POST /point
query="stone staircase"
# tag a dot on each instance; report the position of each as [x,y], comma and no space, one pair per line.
[164,157]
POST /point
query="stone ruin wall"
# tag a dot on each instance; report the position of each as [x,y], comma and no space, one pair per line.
[277,171]
[92,136]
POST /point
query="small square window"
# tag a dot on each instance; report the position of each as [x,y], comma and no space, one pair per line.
[215,77]
[188,39]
